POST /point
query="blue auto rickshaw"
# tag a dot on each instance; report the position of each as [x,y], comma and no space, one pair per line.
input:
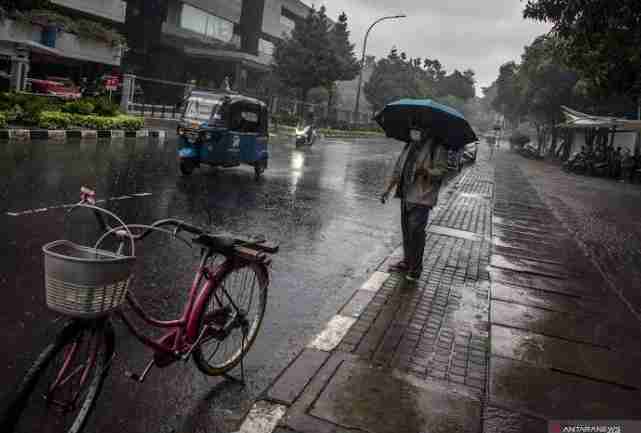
[223,130]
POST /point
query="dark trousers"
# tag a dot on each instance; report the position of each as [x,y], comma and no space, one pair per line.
[414,221]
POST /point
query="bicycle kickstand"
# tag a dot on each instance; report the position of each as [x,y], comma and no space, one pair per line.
[141,378]
[240,381]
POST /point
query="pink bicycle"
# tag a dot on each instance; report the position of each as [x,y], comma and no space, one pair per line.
[219,323]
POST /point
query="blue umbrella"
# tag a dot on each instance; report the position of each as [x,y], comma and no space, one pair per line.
[442,121]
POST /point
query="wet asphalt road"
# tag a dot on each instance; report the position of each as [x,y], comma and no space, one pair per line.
[319,203]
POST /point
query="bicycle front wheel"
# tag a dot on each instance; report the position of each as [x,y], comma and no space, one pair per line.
[232,316]
[60,389]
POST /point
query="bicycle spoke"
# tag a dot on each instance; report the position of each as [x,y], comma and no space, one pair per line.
[59,396]
[233,304]
[213,352]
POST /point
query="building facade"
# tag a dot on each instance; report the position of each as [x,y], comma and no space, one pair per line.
[30,48]
[206,41]
[200,41]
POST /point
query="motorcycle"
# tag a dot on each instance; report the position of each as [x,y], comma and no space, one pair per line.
[531,152]
[576,164]
[304,137]
[454,160]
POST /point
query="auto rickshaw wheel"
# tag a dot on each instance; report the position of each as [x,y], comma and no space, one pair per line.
[259,168]
[187,167]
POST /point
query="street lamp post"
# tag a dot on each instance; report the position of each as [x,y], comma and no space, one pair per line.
[360,75]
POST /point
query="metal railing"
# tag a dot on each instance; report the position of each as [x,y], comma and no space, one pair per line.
[154,111]
[162,99]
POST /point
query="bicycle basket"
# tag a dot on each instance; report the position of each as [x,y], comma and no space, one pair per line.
[85,282]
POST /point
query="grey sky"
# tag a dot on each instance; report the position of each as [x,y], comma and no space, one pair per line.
[461,34]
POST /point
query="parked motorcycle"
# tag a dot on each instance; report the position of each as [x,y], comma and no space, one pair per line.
[305,137]
[530,151]
[470,151]
[577,163]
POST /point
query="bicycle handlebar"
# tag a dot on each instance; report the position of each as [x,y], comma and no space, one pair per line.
[88,198]
[180,225]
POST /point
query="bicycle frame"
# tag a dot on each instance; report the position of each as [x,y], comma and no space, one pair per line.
[184,333]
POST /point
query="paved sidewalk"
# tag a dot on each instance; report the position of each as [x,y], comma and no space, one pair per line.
[508,327]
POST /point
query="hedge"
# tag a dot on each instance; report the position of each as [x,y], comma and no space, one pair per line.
[25,109]
[3,120]
[60,120]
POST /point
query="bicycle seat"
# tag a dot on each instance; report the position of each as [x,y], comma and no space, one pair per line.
[223,244]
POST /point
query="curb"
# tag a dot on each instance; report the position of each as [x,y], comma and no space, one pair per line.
[265,414]
[62,134]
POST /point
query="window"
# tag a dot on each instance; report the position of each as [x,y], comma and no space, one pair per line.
[206,24]
[287,24]
[265,47]
[249,116]
[201,109]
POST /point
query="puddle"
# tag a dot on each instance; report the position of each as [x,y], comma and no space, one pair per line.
[555,395]
[373,400]
[529,266]
[575,358]
[446,231]
[567,287]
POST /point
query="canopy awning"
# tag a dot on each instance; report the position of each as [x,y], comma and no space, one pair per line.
[246,59]
[47,52]
[577,120]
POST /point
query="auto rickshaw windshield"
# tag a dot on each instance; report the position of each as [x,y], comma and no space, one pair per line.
[201,109]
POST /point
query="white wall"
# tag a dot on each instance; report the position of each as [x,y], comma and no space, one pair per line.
[68,44]
[11,31]
[114,10]
[87,49]
[272,13]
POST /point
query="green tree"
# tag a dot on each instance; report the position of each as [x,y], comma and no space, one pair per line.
[508,100]
[458,84]
[434,70]
[546,84]
[396,77]
[346,66]
[305,60]
[600,40]
[13,5]
[452,101]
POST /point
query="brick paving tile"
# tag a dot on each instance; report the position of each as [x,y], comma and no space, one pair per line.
[439,327]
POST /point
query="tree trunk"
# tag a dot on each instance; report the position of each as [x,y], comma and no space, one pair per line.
[330,103]
[555,138]
[303,108]
[540,136]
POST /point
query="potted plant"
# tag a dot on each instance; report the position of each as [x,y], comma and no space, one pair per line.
[51,22]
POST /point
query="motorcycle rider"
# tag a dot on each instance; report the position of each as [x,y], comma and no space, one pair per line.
[311,121]
[627,166]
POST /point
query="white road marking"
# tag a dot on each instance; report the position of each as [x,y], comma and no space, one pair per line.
[262,417]
[64,206]
[333,333]
[375,281]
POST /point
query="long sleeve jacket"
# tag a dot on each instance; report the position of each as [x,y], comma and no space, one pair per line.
[427,173]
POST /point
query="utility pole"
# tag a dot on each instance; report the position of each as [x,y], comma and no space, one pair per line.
[360,74]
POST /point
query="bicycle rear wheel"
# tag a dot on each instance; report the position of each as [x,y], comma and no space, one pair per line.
[237,303]
[59,391]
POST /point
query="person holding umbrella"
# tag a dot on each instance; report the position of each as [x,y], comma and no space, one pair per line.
[429,130]
[417,177]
